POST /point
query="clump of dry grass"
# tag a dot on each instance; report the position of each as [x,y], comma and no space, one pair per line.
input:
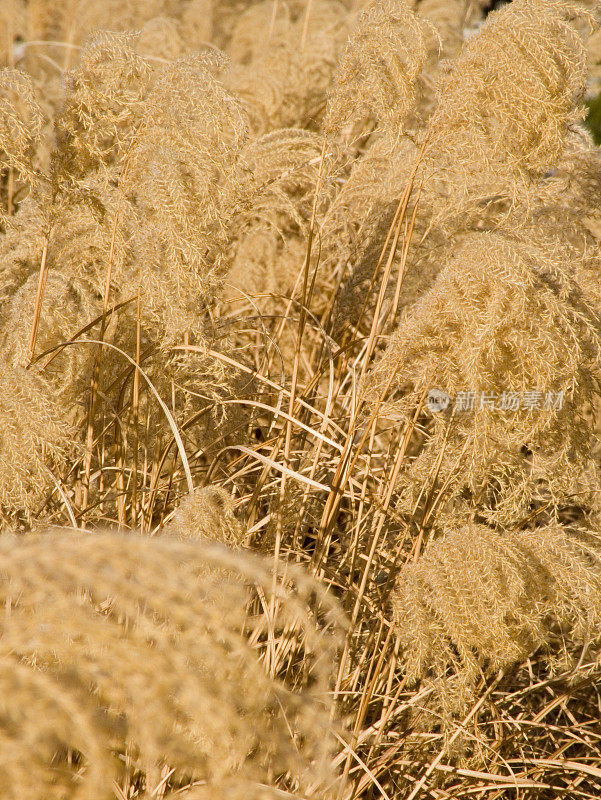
[174,168]
[128,644]
[377,76]
[478,599]
[504,319]
[208,514]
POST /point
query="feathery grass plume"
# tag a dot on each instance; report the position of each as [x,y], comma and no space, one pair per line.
[161,37]
[21,121]
[34,438]
[511,113]
[263,262]
[478,599]
[187,148]
[282,67]
[208,514]
[282,168]
[68,230]
[377,76]
[454,199]
[70,304]
[467,185]
[279,173]
[123,644]
[567,198]
[103,105]
[359,219]
[507,321]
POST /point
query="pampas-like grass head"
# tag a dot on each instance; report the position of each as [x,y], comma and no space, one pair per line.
[128,645]
[504,318]
[21,120]
[379,68]
[208,513]
[512,94]
[482,599]
[103,104]
[34,438]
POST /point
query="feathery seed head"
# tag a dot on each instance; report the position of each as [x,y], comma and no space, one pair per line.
[505,317]
[113,642]
[510,97]
[21,120]
[379,69]
[478,598]
[208,514]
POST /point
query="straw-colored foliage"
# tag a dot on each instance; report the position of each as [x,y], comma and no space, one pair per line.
[300,312]
[125,645]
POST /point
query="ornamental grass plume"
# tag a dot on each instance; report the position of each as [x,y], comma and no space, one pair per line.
[70,304]
[378,72]
[479,600]
[104,100]
[122,654]
[511,114]
[152,154]
[466,180]
[34,440]
[282,67]
[21,121]
[280,172]
[150,157]
[208,513]
[566,202]
[488,132]
[180,198]
[514,339]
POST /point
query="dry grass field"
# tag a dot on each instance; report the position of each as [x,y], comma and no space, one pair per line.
[300,400]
